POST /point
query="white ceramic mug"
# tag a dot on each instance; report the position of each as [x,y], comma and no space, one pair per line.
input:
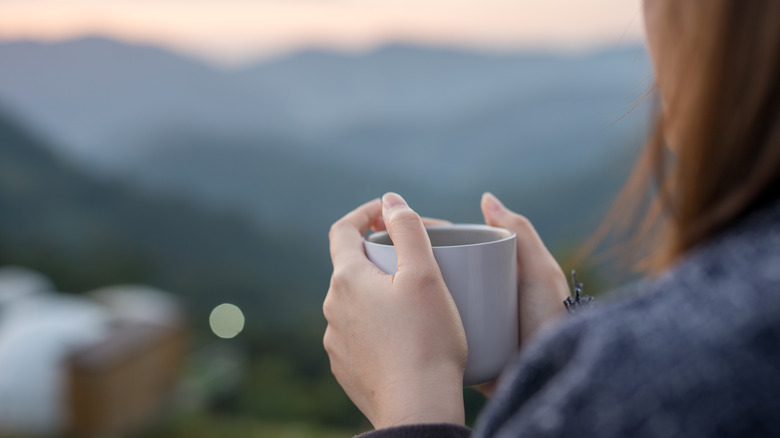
[479,266]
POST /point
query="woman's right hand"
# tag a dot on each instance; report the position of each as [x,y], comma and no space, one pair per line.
[396,342]
[541,284]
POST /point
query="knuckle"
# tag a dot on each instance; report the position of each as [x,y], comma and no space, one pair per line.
[521,223]
[338,281]
[345,274]
[334,229]
[404,216]
[327,340]
[327,307]
[425,278]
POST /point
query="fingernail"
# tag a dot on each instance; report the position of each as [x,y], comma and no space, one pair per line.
[392,200]
[492,203]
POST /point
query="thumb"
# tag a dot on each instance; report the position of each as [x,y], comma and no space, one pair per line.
[406,230]
[496,215]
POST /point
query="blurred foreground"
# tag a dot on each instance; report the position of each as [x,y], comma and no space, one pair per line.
[121,361]
[101,364]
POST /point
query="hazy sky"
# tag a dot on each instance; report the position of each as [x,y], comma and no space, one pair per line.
[238,30]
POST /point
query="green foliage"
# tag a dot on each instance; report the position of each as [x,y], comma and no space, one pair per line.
[274,390]
[473,402]
[289,378]
[224,426]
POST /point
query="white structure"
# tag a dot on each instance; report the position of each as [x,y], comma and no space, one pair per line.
[38,328]
[140,304]
[17,282]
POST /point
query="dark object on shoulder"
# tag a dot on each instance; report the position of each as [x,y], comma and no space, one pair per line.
[580,301]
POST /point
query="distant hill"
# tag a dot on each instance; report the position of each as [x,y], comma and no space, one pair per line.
[91,92]
[441,125]
[419,85]
[86,233]
[101,98]
[293,143]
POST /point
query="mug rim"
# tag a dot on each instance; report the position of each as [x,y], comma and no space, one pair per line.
[508,235]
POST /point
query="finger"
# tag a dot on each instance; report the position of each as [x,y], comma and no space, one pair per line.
[379,225]
[406,229]
[528,241]
[432,222]
[346,235]
[486,389]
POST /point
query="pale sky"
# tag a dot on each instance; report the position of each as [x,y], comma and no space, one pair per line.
[234,31]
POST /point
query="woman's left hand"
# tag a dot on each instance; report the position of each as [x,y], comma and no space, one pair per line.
[396,342]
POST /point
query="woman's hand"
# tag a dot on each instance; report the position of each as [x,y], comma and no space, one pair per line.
[541,284]
[396,342]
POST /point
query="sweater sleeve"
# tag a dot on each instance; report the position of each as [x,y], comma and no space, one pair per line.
[523,380]
[421,431]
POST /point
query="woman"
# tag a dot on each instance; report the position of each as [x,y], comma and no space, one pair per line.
[695,352]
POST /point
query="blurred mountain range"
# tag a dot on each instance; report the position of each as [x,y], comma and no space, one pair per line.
[87,233]
[291,144]
[447,124]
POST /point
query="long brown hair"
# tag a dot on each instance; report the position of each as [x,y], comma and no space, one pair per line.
[719,76]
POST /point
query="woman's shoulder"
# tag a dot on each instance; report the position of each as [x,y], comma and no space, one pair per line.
[702,338]
[729,282]
[733,279]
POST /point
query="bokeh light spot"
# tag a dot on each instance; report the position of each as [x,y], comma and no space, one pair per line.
[226,320]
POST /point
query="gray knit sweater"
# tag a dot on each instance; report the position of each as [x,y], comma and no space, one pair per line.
[693,353]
